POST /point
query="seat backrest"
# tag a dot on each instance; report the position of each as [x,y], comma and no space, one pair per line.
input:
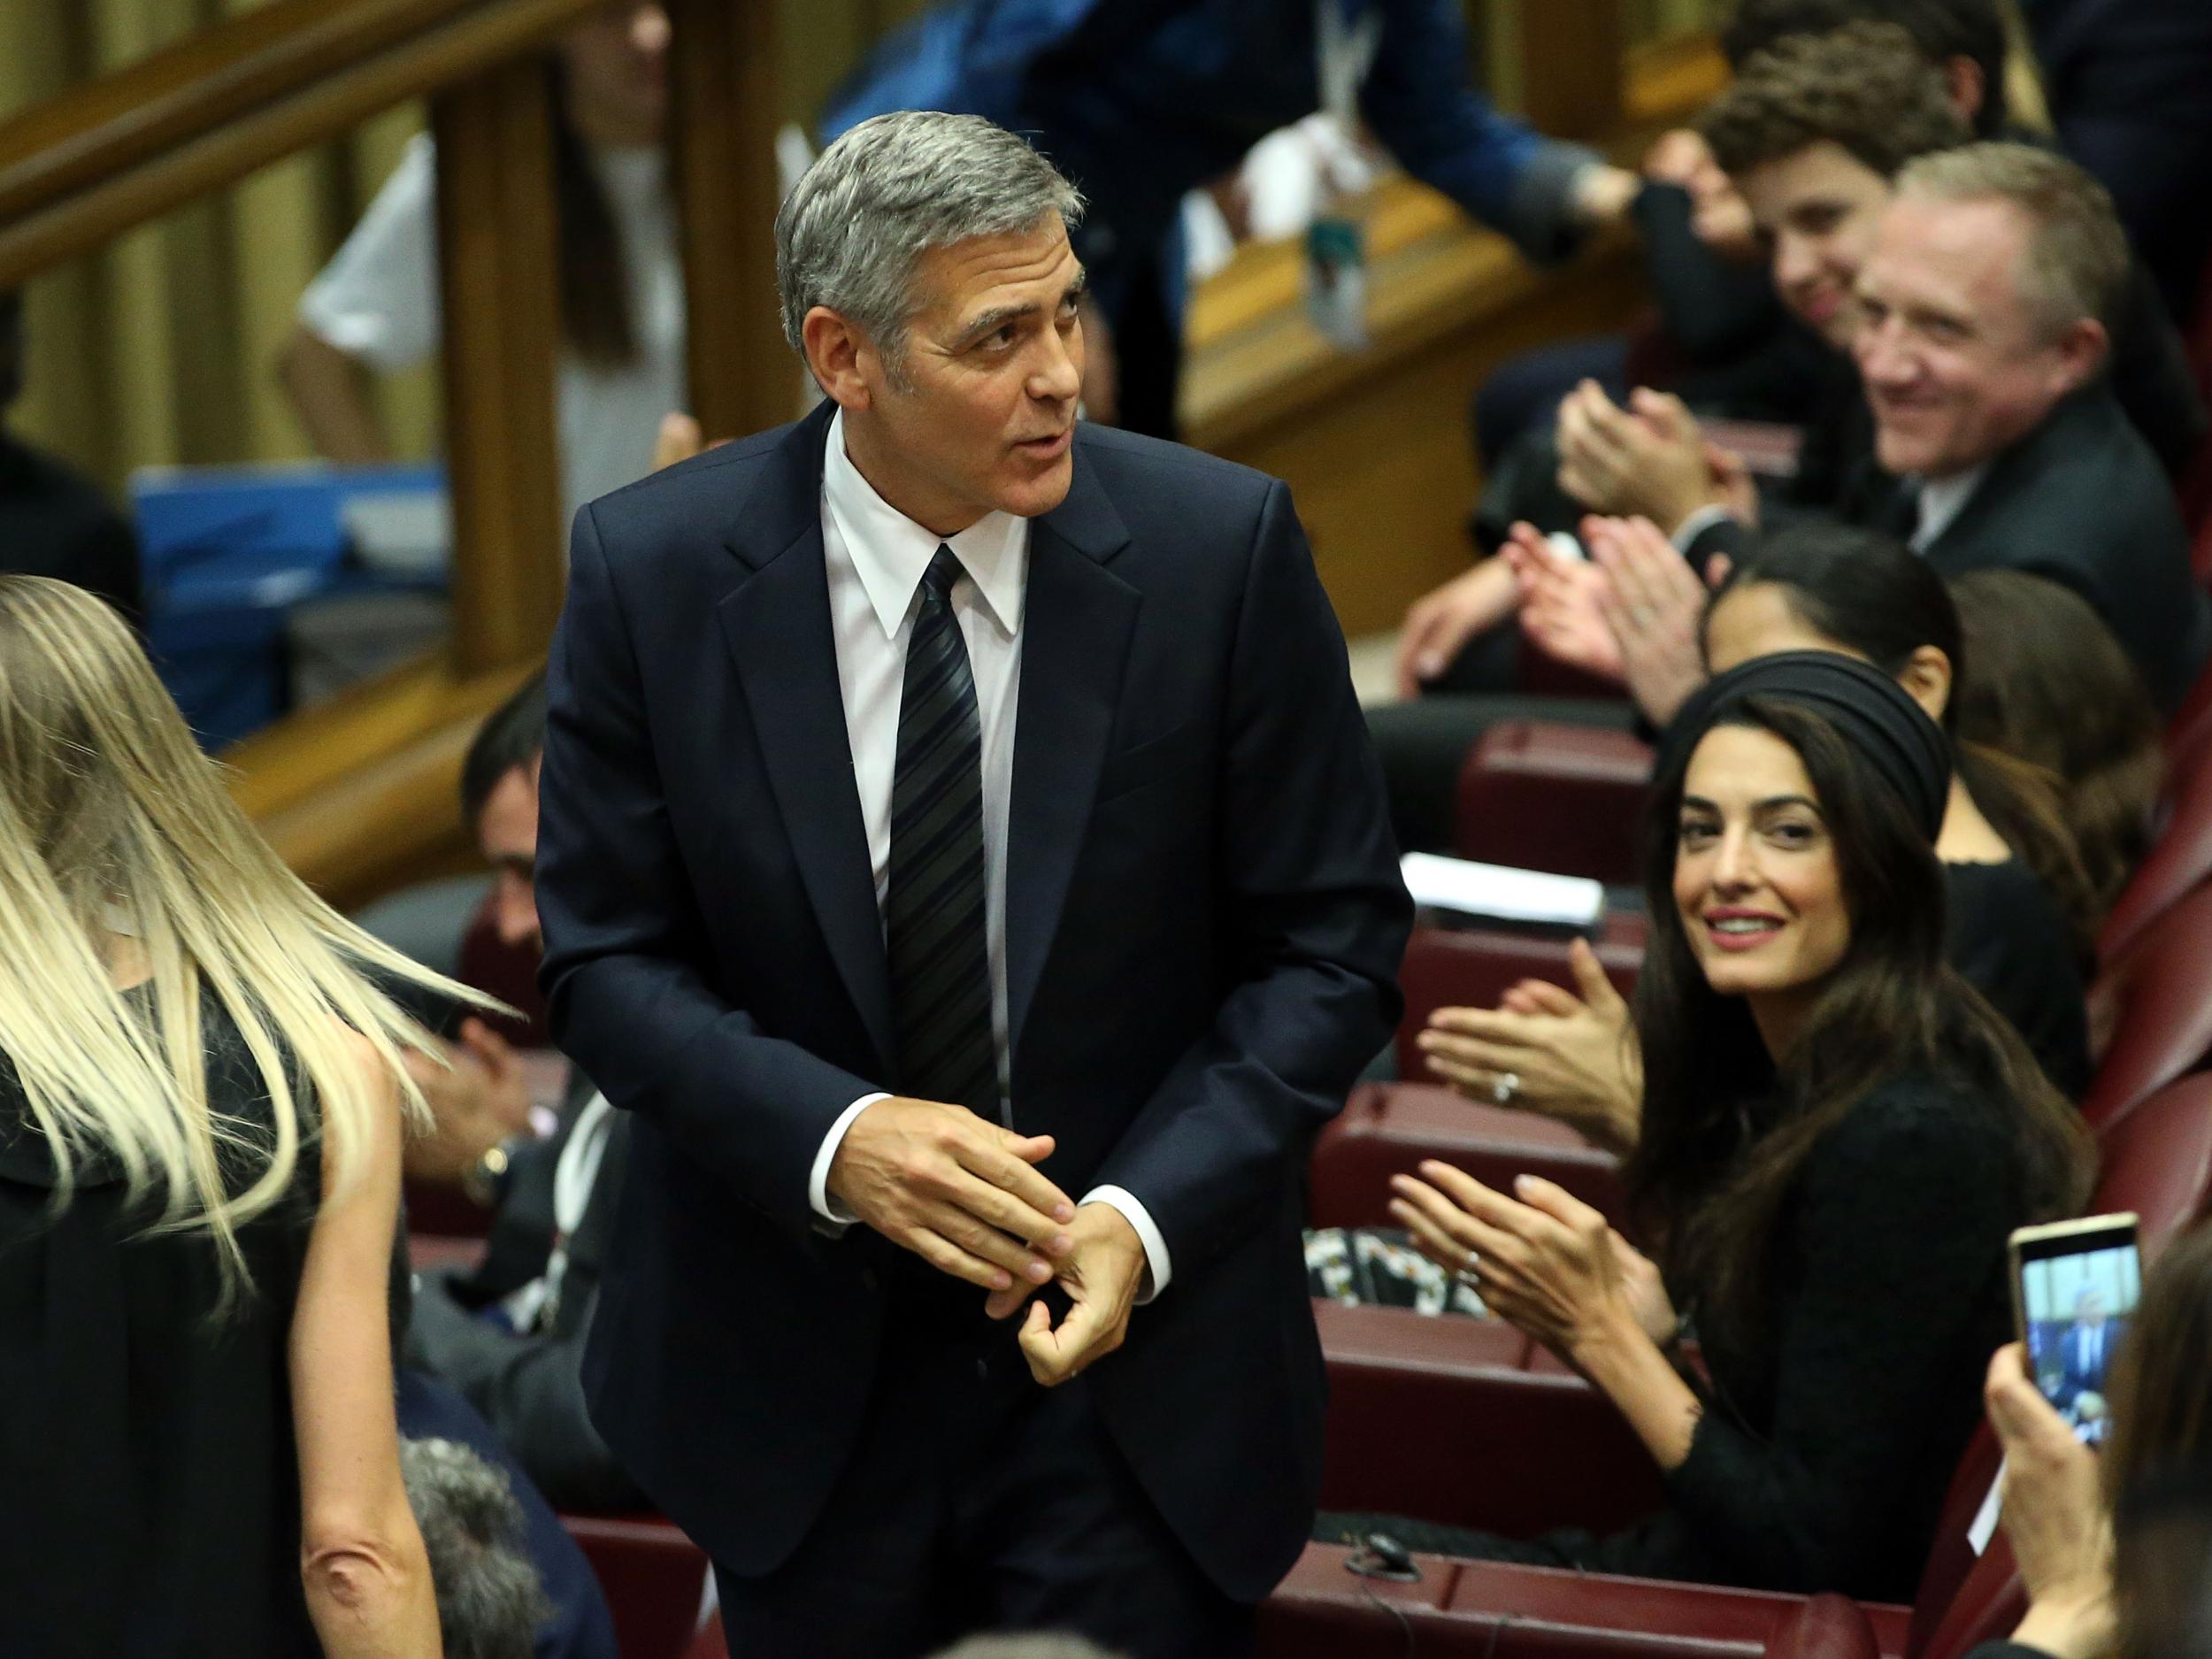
[1541,795]
[2163,991]
[2181,860]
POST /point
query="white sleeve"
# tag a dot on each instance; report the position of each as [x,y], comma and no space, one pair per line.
[1147,1232]
[378,297]
[833,1218]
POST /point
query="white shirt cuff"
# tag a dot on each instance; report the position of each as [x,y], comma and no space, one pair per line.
[834,1220]
[1697,524]
[1148,1235]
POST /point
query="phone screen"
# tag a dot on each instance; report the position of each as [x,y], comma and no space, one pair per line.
[2078,1297]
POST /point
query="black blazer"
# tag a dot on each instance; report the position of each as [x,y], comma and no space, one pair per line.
[1203,926]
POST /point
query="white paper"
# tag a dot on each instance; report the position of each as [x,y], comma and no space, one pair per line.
[1984,1527]
[1514,895]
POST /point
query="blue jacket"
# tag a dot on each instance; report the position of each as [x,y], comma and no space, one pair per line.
[1140,100]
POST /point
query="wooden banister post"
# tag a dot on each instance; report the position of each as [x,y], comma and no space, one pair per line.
[502,340]
[1571,66]
[727,108]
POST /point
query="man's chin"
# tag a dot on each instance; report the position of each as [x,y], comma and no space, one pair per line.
[1041,490]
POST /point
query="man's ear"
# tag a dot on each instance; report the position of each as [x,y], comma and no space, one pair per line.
[2082,350]
[1962,81]
[835,350]
[1927,680]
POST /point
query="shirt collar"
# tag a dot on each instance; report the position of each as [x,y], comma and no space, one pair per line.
[891,553]
[1941,500]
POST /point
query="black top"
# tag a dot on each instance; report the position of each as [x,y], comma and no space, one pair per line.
[54,523]
[1822,1460]
[152,1488]
[2005,934]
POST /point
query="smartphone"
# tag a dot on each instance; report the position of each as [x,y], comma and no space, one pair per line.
[2075,1285]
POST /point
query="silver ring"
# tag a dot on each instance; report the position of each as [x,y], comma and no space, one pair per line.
[1504,1087]
[1470,1269]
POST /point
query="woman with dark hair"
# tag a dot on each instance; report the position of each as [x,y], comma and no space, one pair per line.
[1837,1135]
[376,305]
[2020,917]
[2052,688]
[2116,1552]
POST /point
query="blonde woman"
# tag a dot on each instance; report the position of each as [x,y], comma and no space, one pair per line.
[202,1099]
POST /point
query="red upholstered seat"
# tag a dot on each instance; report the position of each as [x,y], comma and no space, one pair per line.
[1387,1129]
[1541,795]
[2163,991]
[711,1644]
[653,1576]
[2180,861]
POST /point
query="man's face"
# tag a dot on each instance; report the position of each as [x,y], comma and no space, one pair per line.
[981,416]
[1816,210]
[1957,361]
[507,832]
[2090,1311]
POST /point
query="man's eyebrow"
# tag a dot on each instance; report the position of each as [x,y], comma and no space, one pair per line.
[998,317]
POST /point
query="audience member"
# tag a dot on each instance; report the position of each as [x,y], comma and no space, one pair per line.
[2007,861]
[1139,106]
[2114,1550]
[2052,687]
[510,1333]
[53,522]
[202,1102]
[1836,1138]
[378,306]
[489,1601]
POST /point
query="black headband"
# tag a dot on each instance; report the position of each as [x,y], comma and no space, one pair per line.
[1868,709]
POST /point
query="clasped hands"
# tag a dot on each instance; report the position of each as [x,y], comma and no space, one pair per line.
[966,1197]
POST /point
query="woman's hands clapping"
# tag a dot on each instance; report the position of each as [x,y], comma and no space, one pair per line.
[1568,1057]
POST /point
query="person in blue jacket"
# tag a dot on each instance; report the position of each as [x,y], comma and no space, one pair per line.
[1140,101]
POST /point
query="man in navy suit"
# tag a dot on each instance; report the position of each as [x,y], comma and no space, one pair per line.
[962,853]
[2085,1350]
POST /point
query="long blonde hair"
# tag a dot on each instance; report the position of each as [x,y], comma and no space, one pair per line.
[113,823]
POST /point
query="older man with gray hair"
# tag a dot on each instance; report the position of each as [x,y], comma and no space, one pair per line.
[961,850]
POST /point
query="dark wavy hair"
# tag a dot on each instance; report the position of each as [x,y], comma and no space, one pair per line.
[1727,1128]
[1940,30]
[1873,597]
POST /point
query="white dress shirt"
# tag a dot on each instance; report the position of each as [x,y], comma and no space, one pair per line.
[1941,500]
[876,558]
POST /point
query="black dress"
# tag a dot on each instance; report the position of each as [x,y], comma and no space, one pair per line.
[1825,1450]
[2008,938]
[148,1486]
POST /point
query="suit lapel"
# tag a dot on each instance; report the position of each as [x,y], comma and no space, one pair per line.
[777,626]
[1076,623]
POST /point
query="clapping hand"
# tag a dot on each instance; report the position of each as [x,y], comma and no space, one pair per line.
[1653,605]
[1568,1057]
[2053,1516]
[1560,604]
[478,1099]
[1545,1261]
[962,1193]
[1649,458]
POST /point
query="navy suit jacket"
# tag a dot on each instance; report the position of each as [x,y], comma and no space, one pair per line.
[1203,925]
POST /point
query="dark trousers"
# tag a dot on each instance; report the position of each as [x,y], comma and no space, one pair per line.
[976,1501]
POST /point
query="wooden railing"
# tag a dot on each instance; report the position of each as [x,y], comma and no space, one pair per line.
[360,792]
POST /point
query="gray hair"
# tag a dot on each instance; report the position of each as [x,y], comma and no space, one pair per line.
[1041,1647]
[852,229]
[2077,261]
[490,1602]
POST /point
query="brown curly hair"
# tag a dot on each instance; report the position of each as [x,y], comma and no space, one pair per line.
[1865,86]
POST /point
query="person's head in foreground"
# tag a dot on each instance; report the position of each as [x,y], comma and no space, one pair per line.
[499,802]
[1811,133]
[1040,1646]
[1797,961]
[1984,302]
[133,893]
[1963,39]
[925,276]
[2116,1549]
[1831,588]
[490,1602]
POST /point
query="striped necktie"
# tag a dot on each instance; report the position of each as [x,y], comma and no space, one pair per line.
[933,922]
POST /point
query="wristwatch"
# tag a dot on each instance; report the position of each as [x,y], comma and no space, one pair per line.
[484,1179]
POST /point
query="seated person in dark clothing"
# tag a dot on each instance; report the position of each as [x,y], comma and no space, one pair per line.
[2018,905]
[2115,1552]
[1836,1138]
[510,1335]
[490,1602]
[52,522]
